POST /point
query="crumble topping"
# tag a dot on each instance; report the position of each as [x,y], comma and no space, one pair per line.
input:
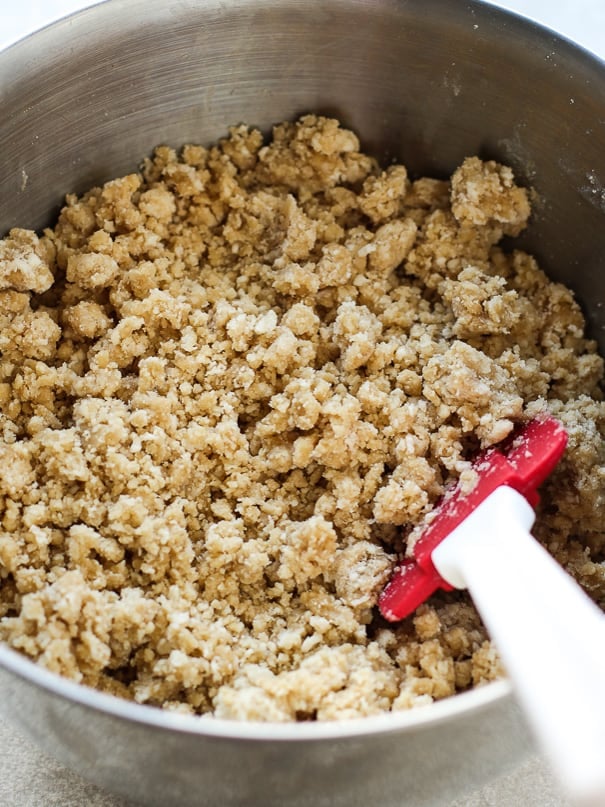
[233,383]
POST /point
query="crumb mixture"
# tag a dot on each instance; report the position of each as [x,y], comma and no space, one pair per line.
[232,384]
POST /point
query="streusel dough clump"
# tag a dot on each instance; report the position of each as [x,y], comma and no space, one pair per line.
[232,384]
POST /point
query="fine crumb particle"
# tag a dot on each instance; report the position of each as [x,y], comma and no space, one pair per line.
[232,386]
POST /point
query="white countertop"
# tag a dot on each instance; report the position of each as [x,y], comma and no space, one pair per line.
[28,778]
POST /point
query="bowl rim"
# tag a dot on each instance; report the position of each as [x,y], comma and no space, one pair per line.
[461,704]
[490,8]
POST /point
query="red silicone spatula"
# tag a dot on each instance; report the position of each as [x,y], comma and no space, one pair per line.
[530,458]
[550,635]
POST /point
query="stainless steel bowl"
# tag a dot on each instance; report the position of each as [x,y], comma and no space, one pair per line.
[425,81]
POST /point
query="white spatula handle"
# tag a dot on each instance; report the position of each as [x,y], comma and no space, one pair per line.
[550,635]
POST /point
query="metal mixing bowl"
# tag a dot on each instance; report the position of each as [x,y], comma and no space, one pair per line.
[424,81]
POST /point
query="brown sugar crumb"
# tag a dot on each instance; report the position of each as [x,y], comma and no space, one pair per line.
[24,262]
[232,385]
